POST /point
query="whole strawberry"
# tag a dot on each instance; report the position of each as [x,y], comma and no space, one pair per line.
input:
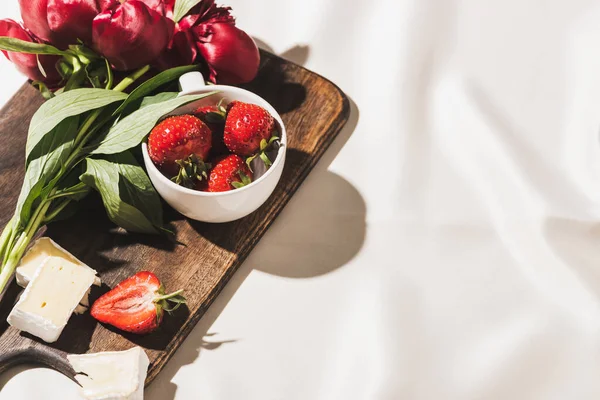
[246,126]
[137,304]
[229,172]
[179,145]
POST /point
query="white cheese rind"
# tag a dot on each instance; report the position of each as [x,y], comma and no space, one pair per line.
[116,375]
[51,297]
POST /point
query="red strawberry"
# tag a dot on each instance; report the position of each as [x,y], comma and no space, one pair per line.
[246,126]
[214,118]
[229,172]
[179,145]
[136,305]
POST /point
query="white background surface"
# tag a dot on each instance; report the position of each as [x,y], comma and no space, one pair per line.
[448,245]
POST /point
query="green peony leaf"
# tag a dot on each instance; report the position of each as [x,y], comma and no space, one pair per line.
[63,106]
[21,46]
[128,196]
[154,83]
[45,161]
[159,98]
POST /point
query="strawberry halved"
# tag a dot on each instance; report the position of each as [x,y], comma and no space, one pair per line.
[137,304]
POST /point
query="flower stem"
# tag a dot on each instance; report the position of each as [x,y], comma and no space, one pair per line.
[19,248]
[124,84]
[11,238]
[73,190]
[87,124]
[57,210]
[5,237]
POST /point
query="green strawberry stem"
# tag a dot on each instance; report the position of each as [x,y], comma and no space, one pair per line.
[191,170]
[168,296]
[163,301]
[15,238]
[246,180]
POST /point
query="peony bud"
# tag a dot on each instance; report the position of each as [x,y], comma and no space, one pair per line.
[131,35]
[27,64]
[62,22]
[231,55]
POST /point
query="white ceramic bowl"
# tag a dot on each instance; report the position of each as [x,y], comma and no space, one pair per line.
[223,206]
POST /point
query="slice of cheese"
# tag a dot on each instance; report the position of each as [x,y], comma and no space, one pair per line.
[115,375]
[41,249]
[51,297]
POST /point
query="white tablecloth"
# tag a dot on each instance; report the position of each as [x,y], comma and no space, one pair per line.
[448,245]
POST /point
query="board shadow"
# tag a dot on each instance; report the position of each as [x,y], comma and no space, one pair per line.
[273,86]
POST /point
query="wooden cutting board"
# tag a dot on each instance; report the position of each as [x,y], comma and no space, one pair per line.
[314,111]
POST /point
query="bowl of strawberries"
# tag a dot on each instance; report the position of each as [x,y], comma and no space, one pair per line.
[219,158]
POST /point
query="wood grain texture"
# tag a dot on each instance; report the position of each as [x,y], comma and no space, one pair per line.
[314,111]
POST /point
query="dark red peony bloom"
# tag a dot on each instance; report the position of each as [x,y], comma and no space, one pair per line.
[231,55]
[165,7]
[209,32]
[62,22]
[131,35]
[27,64]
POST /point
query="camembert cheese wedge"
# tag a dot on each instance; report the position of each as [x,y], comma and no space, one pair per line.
[40,251]
[115,375]
[53,294]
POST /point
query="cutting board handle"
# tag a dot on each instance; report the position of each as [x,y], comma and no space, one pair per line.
[47,357]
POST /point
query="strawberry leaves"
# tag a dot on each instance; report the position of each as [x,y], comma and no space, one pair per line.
[191,171]
[246,180]
[164,300]
[265,147]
